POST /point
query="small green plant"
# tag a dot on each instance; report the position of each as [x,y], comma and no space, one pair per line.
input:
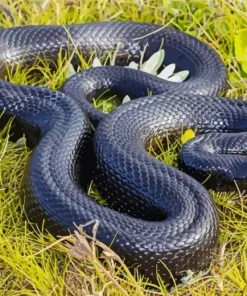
[151,66]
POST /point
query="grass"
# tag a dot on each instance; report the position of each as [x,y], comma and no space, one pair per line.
[32,263]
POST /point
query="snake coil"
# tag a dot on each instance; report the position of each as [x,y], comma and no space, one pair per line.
[155,213]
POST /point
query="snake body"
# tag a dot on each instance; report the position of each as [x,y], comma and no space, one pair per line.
[156,212]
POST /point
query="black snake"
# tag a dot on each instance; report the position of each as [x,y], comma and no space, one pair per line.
[156,212]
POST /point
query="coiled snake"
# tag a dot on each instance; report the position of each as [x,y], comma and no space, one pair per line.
[156,212]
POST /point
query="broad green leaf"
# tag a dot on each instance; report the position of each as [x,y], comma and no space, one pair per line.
[167,71]
[71,71]
[154,62]
[96,62]
[133,65]
[241,48]
[187,135]
[20,142]
[126,99]
[198,14]
[179,76]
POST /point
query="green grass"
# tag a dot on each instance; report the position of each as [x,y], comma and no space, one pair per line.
[32,263]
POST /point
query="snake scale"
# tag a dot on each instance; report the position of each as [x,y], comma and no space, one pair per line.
[155,213]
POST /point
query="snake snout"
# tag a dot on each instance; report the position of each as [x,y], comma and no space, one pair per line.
[198,158]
